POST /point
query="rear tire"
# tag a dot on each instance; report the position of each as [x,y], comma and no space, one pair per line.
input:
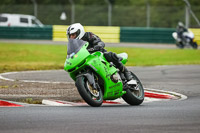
[134,97]
[85,90]
[194,45]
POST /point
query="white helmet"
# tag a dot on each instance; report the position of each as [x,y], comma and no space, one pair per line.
[75,28]
[180,24]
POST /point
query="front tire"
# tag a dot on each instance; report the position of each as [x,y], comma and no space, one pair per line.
[180,45]
[90,95]
[134,96]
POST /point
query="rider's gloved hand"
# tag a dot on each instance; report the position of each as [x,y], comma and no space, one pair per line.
[98,47]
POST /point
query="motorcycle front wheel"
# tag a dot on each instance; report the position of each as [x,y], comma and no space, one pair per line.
[180,45]
[91,96]
[134,96]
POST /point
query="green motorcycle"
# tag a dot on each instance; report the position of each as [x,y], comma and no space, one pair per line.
[97,79]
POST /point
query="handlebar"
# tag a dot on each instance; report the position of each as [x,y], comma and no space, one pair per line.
[91,50]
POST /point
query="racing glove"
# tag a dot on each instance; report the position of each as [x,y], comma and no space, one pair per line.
[99,46]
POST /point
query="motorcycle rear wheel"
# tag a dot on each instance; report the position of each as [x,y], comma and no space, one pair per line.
[90,95]
[194,45]
[134,96]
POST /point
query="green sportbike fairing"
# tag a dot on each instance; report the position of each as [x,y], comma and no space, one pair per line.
[97,79]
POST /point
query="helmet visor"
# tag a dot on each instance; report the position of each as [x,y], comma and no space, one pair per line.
[74,35]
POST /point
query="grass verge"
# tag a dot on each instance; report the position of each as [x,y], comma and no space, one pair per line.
[22,57]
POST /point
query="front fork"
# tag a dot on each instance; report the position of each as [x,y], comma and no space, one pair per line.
[90,76]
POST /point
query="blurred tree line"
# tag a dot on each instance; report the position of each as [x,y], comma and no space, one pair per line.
[102,2]
[162,13]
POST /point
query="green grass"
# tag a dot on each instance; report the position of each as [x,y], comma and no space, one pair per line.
[152,57]
[22,57]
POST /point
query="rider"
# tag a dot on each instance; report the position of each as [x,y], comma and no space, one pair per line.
[180,29]
[76,31]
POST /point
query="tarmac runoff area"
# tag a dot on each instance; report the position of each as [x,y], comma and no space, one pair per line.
[151,95]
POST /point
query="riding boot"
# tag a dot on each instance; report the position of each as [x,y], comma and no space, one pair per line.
[112,57]
[127,74]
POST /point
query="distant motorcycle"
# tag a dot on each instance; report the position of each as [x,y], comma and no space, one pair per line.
[186,41]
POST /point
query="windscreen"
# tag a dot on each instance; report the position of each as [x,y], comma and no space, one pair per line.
[73,46]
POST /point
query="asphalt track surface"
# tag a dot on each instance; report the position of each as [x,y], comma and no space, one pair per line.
[172,116]
[49,42]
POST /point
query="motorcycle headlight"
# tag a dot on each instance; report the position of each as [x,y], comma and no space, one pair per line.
[71,55]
